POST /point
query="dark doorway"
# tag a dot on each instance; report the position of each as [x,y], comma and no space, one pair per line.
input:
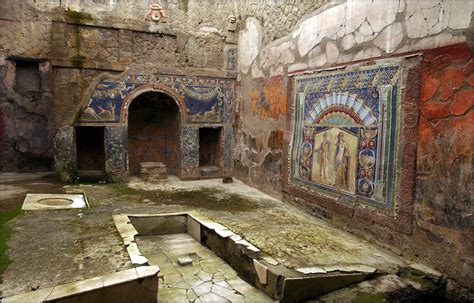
[90,149]
[153,132]
[210,154]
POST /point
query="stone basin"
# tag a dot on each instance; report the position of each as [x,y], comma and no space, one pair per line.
[56,201]
[53,201]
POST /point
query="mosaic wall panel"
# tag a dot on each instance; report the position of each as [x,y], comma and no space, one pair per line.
[206,99]
[228,131]
[190,151]
[116,138]
[345,132]
[232,59]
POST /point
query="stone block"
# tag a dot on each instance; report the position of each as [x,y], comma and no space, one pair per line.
[153,171]
[183,261]
[261,271]
[39,295]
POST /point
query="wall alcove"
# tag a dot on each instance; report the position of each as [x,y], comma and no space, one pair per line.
[153,132]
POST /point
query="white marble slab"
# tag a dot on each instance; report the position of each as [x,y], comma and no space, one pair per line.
[36,201]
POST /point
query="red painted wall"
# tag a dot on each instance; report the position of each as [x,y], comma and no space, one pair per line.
[443,206]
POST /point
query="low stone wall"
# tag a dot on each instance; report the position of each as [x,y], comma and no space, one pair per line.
[133,285]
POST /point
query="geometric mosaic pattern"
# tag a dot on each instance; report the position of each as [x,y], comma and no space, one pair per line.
[345,132]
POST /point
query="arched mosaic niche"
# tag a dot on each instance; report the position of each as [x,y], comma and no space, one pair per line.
[203,102]
[345,133]
[207,100]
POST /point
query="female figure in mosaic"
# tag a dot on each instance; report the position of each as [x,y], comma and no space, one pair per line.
[341,162]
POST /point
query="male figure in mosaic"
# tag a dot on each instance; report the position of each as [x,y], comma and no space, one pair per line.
[323,156]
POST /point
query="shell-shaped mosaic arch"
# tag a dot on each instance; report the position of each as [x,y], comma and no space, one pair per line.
[342,102]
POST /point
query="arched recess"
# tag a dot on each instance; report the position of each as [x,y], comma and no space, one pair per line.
[153,116]
[152,87]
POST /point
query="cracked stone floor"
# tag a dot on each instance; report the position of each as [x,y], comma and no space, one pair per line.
[53,247]
[207,279]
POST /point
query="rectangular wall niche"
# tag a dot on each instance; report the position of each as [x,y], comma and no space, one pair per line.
[210,151]
[27,77]
[90,149]
[345,133]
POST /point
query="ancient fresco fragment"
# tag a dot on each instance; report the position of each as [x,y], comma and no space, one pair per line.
[268,100]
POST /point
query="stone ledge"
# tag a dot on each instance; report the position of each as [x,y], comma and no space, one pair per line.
[130,282]
[72,63]
[116,23]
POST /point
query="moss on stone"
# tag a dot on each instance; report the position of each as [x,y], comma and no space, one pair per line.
[77,60]
[65,171]
[123,190]
[73,16]
[211,199]
[5,232]
[418,277]
[369,298]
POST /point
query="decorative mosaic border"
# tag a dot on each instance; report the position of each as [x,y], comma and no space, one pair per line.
[348,88]
[359,214]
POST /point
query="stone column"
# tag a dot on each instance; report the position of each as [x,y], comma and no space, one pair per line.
[189,152]
[65,164]
[228,161]
[116,152]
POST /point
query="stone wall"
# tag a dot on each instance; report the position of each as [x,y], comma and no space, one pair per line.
[278,17]
[85,39]
[354,35]
[26,105]
[77,43]
[26,99]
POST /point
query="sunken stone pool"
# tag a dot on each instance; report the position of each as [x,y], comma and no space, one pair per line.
[202,261]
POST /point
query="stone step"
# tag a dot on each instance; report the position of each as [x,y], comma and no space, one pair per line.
[153,171]
[209,171]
